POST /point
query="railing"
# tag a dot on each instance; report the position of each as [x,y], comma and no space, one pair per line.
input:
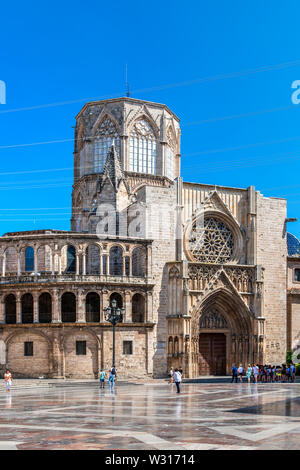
[68,277]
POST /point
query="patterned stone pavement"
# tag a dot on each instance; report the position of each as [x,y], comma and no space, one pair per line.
[152,417]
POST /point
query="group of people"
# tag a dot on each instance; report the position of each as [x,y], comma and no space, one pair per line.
[176,377]
[111,378]
[264,373]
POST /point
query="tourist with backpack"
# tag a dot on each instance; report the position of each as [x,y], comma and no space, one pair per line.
[112,376]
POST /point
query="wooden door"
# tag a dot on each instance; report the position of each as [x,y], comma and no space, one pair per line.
[212,354]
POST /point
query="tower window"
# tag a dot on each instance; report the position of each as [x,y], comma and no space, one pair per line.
[107,133]
[143,149]
[297,275]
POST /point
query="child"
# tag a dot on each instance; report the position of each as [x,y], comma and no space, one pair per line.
[102,378]
[8,379]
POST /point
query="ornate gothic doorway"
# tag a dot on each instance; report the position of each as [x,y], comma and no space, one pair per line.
[212,354]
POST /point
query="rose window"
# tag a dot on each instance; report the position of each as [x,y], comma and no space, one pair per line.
[210,241]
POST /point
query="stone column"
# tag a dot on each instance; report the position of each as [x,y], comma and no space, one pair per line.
[124,265]
[105,301]
[56,310]
[2,309]
[84,263]
[80,318]
[59,263]
[35,307]
[3,265]
[128,308]
[19,263]
[53,264]
[35,260]
[18,308]
[149,308]
[77,264]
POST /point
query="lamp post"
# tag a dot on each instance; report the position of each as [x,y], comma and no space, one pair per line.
[114,315]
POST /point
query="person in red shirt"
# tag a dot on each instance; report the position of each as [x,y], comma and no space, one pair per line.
[8,379]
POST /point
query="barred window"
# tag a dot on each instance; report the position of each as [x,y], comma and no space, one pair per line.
[81,348]
[143,149]
[127,347]
[28,348]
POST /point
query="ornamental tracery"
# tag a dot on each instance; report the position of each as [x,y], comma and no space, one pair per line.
[210,241]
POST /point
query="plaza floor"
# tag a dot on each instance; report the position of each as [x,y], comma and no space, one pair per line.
[152,417]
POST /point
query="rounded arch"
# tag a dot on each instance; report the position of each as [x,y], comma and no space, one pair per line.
[27,308]
[116,260]
[138,308]
[29,259]
[11,260]
[10,309]
[29,366]
[92,307]
[93,259]
[118,298]
[45,308]
[138,262]
[68,307]
[69,261]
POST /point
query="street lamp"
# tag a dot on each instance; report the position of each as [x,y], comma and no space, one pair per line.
[114,315]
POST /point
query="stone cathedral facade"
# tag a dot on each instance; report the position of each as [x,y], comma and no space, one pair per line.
[203,272]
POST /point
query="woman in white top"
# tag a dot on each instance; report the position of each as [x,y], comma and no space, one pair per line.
[240,372]
[177,379]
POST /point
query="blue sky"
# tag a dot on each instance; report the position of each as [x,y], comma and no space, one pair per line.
[67,51]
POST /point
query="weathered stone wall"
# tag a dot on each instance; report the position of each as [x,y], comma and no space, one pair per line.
[272,255]
[54,351]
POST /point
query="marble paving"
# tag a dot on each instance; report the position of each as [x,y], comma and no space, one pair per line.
[152,417]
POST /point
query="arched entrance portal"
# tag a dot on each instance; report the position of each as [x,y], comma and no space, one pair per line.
[222,334]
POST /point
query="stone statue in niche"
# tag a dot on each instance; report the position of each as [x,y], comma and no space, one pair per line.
[213,320]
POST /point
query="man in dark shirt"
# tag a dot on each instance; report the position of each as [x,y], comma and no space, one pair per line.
[234,373]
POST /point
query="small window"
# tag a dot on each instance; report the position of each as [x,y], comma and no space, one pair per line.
[297,275]
[81,348]
[28,348]
[127,347]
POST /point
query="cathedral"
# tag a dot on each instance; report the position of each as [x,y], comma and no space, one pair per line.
[207,276]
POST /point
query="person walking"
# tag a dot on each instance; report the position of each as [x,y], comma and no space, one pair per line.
[112,376]
[102,378]
[293,372]
[8,380]
[171,374]
[249,373]
[234,373]
[240,372]
[255,373]
[177,379]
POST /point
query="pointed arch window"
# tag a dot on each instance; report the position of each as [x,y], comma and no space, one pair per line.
[143,149]
[106,133]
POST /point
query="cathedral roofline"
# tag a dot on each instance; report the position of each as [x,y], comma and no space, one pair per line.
[128,99]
